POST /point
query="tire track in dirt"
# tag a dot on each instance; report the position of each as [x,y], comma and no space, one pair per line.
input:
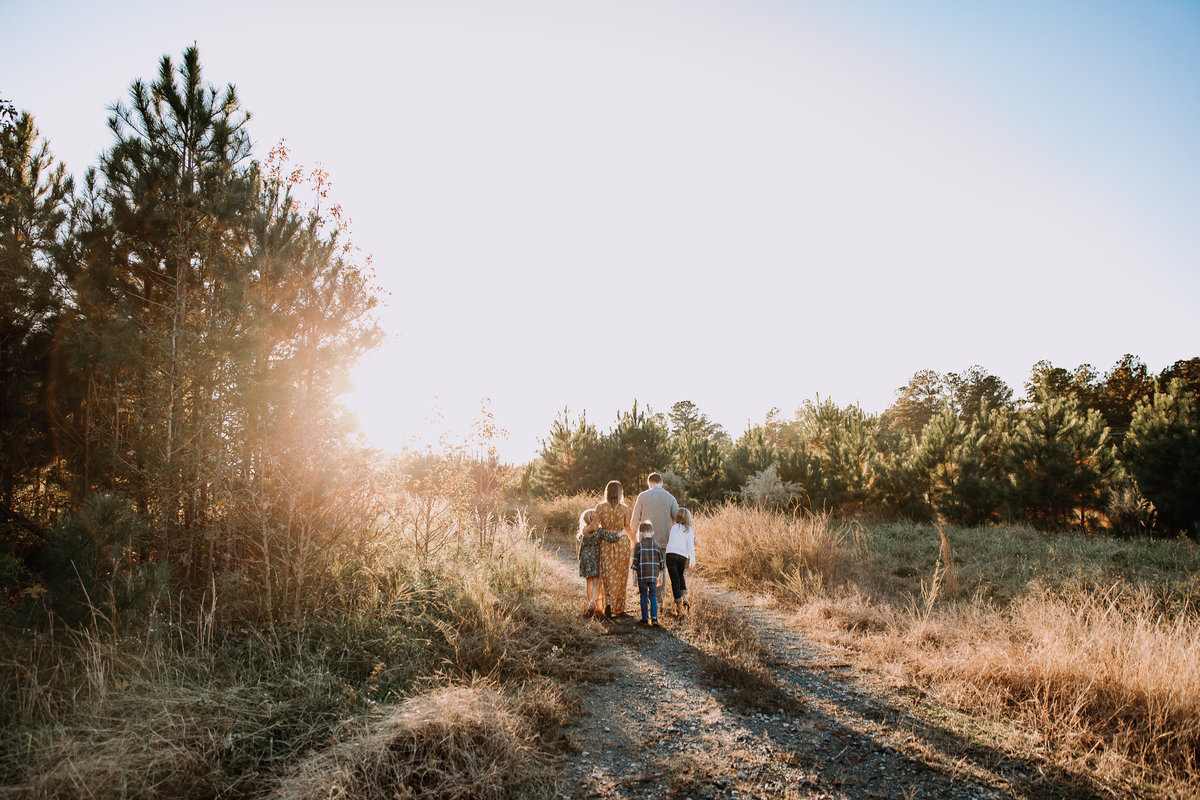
[660,727]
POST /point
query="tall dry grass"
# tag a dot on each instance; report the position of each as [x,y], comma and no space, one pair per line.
[1090,644]
[758,550]
[557,518]
[191,702]
[1108,681]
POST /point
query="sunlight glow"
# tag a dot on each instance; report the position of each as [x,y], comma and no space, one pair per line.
[775,200]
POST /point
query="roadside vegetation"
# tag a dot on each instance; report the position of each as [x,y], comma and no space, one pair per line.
[463,661]
[1090,645]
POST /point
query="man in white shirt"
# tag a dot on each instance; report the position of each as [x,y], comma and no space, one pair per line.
[657,506]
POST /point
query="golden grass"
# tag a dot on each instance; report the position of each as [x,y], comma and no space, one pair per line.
[759,550]
[456,742]
[1103,679]
[1092,645]
[557,519]
[192,703]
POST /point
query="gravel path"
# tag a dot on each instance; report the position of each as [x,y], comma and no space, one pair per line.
[661,727]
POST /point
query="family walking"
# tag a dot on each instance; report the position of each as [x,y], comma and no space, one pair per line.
[609,551]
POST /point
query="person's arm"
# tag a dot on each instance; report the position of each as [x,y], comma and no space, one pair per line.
[691,540]
[635,516]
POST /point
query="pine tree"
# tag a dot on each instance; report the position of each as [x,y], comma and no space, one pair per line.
[850,450]
[916,402]
[699,447]
[639,444]
[215,320]
[934,459]
[977,391]
[1162,452]
[1048,381]
[35,195]
[1186,371]
[898,486]
[1124,386]
[158,290]
[703,463]
[568,457]
[1062,462]
[752,453]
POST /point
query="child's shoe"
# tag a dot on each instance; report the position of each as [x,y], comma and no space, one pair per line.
[653,622]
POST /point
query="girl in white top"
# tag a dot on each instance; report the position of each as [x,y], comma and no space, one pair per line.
[681,555]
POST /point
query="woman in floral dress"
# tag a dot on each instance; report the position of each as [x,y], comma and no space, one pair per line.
[616,547]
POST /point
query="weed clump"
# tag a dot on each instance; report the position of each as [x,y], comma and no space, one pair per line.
[455,742]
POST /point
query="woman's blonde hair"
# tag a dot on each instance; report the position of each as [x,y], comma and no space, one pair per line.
[684,518]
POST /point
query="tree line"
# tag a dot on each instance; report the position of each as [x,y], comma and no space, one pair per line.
[1118,451]
[174,330]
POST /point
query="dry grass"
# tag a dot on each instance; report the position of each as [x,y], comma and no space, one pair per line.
[188,703]
[452,743]
[759,550]
[1091,645]
[1107,681]
[557,519]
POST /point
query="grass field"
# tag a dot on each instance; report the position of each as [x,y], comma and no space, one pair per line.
[451,676]
[1091,645]
[462,666]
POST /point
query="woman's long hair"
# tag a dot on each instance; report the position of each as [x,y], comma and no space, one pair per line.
[613,493]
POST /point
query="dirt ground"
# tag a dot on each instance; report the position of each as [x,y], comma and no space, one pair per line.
[663,727]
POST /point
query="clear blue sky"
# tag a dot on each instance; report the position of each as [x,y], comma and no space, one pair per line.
[743,204]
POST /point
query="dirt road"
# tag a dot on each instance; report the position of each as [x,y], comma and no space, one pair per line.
[666,726]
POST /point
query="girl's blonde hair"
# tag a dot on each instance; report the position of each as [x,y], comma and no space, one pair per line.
[585,520]
[684,518]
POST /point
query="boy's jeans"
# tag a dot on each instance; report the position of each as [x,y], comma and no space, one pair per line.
[647,590]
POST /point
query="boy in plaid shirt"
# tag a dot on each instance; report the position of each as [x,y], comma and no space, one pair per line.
[648,564]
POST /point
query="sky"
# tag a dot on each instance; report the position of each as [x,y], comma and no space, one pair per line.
[576,205]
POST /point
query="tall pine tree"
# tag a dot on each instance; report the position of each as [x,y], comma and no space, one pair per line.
[35,194]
